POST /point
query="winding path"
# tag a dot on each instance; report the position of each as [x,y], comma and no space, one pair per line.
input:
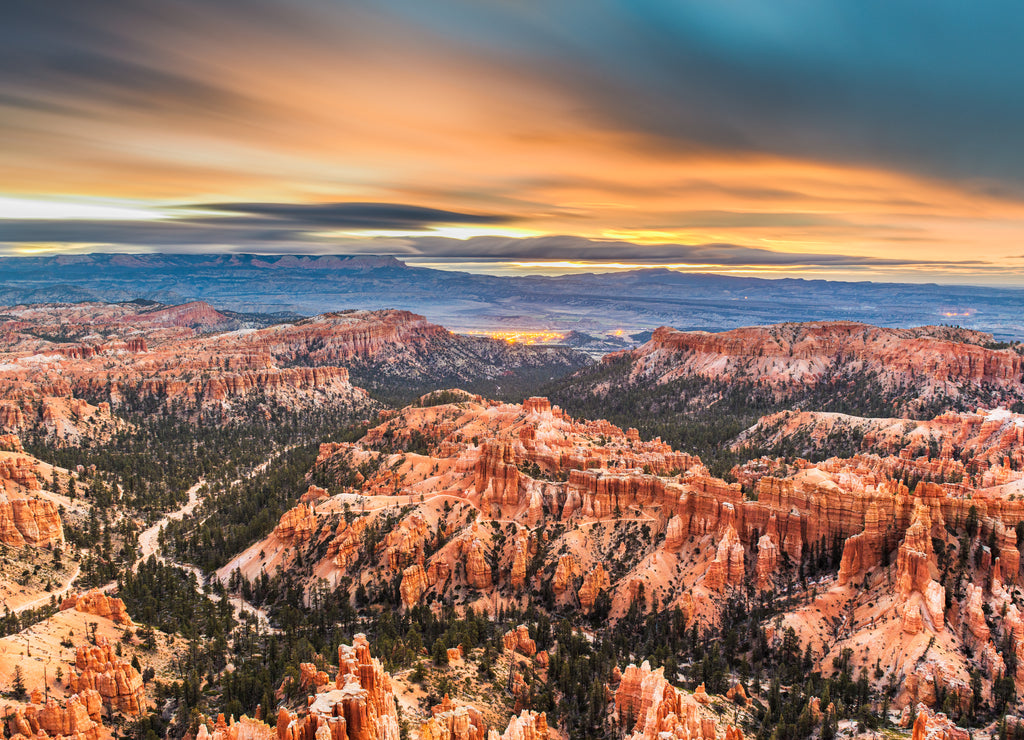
[43,600]
[149,545]
[149,540]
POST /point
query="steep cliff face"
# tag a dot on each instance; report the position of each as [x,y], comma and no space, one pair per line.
[865,550]
[767,562]
[913,574]
[194,361]
[25,518]
[791,354]
[196,315]
[980,448]
[727,567]
[414,584]
[702,389]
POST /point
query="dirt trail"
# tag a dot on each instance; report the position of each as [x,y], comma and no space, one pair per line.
[149,545]
[43,600]
[149,540]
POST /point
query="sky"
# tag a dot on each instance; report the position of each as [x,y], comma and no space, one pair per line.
[864,139]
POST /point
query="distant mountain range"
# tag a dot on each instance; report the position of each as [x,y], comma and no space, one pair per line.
[594,304]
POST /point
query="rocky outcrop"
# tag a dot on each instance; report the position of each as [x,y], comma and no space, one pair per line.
[9,442]
[767,562]
[25,520]
[726,570]
[927,680]
[796,355]
[360,705]
[296,525]
[19,470]
[519,639]
[406,543]
[974,616]
[98,668]
[98,603]
[414,584]
[737,694]
[863,551]
[310,678]
[930,725]
[982,448]
[913,572]
[528,725]
[594,582]
[520,553]
[700,695]
[313,495]
[450,722]
[1006,547]
[197,315]
[242,729]
[478,570]
[675,534]
[648,706]
[343,549]
[76,718]
[497,477]
[12,417]
[567,571]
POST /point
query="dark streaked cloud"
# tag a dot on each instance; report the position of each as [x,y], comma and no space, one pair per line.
[351,215]
[574,248]
[150,233]
[272,226]
[282,234]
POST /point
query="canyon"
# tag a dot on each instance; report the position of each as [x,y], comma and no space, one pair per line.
[73,372]
[872,550]
[596,512]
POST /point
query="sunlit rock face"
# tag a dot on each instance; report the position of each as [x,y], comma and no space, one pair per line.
[648,706]
[358,704]
[934,360]
[25,517]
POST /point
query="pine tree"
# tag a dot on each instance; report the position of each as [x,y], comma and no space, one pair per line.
[440,652]
[18,684]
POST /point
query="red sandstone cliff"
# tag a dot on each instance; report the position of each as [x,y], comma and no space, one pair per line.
[787,358]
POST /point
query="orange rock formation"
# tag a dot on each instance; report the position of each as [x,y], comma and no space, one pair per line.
[96,602]
[648,706]
[97,668]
